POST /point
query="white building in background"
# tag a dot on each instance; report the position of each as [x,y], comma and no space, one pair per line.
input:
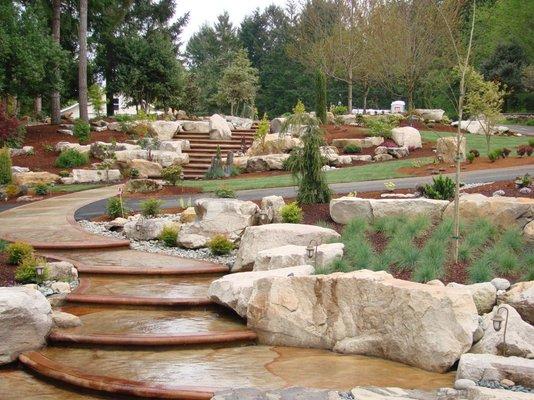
[120,105]
[398,107]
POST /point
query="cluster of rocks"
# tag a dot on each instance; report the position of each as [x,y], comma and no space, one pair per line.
[503,211]
[26,315]
[479,127]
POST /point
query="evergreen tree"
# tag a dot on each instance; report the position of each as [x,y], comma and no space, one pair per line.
[320,97]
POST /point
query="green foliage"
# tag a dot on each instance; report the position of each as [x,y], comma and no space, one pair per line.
[219,245]
[17,251]
[12,190]
[291,213]
[216,170]
[115,208]
[169,236]
[6,175]
[262,130]
[523,181]
[151,207]
[320,97]
[96,97]
[41,189]
[3,245]
[71,158]
[434,254]
[339,110]
[470,157]
[26,271]
[495,154]
[82,131]
[352,149]
[441,188]
[380,126]
[239,82]
[172,174]
[223,192]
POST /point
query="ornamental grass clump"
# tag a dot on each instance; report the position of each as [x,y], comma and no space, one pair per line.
[219,245]
[26,271]
[169,235]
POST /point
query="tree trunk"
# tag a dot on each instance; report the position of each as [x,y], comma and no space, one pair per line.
[365,94]
[349,84]
[37,105]
[55,98]
[82,62]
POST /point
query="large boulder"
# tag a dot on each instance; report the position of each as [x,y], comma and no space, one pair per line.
[219,129]
[165,130]
[143,228]
[344,209]
[263,237]
[234,290]
[62,146]
[196,126]
[146,169]
[521,298]
[95,175]
[371,141]
[495,368]
[227,217]
[276,124]
[35,178]
[330,154]
[407,136]
[426,114]
[164,158]
[484,295]
[503,211]
[528,232]
[290,255]
[25,321]
[239,123]
[446,148]
[368,313]
[266,162]
[104,150]
[519,335]
[273,144]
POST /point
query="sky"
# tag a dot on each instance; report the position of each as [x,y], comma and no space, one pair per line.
[202,11]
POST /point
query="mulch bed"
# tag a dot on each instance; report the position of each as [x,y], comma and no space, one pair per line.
[7,271]
[41,136]
[421,126]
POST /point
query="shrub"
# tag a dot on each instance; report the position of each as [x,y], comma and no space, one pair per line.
[12,191]
[523,181]
[525,149]
[352,149]
[470,157]
[134,173]
[81,131]
[505,152]
[219,245]
[216,170]
[531,140]
[71,158]
[262,130]
[115,208]
[339,110]
[64,173]
[17,251]
[41,189]
[495,154]
[380,126]
[26,271]
[169,236]
[151,207]
[172,174]
[441,188]
[5,166]
[475,152]
[291,213]
[224,193]
[10,129]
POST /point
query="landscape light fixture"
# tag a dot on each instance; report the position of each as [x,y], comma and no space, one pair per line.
[498,319]
[311,251]
[39,271]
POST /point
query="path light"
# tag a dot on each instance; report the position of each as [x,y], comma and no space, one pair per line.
[311,251]
[498,319]
[39,270]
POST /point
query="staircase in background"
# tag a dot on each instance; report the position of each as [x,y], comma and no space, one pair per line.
[203,149]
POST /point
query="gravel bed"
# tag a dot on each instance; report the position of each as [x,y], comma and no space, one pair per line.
[474,185]
[497,385]
[155,246]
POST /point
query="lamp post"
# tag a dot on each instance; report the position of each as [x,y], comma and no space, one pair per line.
[311,251]
[39,270]
[498,319]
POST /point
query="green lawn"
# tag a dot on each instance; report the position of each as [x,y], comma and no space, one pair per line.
[386,170]
[78,187]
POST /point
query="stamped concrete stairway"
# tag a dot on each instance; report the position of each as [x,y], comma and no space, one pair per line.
[203,149]
[149,329]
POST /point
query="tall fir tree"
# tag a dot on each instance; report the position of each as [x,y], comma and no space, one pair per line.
[320,96]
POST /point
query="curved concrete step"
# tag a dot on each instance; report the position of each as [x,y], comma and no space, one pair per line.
[138,301]
[77,377]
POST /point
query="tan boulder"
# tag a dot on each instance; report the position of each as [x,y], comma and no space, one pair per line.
[484,294]
[147,169]
[407,136]
[35,178]
[528,232]
[188,215]
[491,367]
[371,141]
[446,149]
[368,313]
[521,298]
[273,144]
[291,255]
[503,211]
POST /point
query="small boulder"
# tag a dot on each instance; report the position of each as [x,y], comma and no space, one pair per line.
[484,295]
[192,241]
[95,175]
[143,229]
[528,231]
[62,271]
[500,283]
[272,206]
[521,298]
[188,215]
[165,130]
[292,255]
[446,149]
[65,320]
[464,384]
[147,169]
[60,287]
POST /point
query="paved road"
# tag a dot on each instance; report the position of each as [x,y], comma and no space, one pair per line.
[525,130]
[492,175]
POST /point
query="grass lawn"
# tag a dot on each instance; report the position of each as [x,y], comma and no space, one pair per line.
[78,187]
[385,170]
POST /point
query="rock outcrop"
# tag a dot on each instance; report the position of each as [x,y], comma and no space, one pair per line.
[35,178]
[521,298]
[446,149]
[484,294]
[495,368]
[234,290]
[165,130]
[368,313]
[25,321]
[291,255]
[263,237]
[370,141]
[95,175]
